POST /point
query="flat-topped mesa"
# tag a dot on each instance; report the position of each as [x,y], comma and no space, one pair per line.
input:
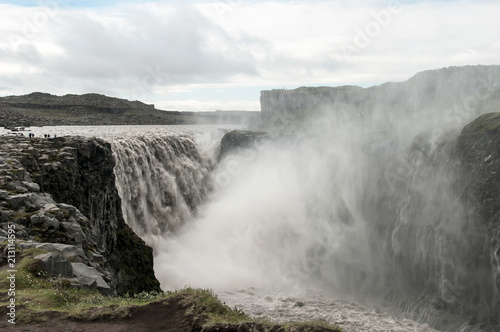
[43,109]
[91,101]
[455,94]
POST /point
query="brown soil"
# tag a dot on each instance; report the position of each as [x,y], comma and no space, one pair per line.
[165,315]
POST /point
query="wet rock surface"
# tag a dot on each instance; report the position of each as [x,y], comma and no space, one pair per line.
[478,148]
[60,195]
[235,140]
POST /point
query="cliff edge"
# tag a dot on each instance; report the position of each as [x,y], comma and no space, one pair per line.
[60,197]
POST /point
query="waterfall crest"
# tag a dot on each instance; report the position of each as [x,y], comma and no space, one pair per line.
[161,181]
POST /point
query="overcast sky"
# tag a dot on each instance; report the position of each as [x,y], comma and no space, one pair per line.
[207,55]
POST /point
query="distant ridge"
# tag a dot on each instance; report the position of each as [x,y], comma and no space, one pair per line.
[44,109]
[93,100]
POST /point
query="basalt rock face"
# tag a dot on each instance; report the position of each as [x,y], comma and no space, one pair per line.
[239,139]
[78,174]
[478,146]
[478,143]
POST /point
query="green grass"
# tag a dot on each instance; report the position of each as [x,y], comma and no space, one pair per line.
[210,304]
[40,295]
[30,273]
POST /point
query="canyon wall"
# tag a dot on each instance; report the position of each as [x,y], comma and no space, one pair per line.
[455,95]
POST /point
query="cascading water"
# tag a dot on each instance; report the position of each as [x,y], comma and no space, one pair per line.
[368,206]
[161,180]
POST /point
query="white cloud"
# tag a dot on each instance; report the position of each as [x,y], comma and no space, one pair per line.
[150,50]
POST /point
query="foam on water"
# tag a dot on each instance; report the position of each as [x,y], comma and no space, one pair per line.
[352,315]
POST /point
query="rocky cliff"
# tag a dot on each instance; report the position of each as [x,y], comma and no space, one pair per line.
[478,151]
[456,94]
[61,196]
[239,139]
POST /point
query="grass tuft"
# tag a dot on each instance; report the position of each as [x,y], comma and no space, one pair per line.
[209,303]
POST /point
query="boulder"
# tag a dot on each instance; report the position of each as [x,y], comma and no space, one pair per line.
[50,223]
[81,270]
[45,220]
[83,282]
[72,253]
[50,207]
[36,219]
[22,235]
[18,201]
[41,200]
[56,265]
[69,209]
[4,217]
[3,194]
[73,231]
[31,186]
[16,186]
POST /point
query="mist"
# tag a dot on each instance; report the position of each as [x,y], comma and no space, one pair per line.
[328,206]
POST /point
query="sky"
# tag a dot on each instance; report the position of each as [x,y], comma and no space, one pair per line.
[202,55]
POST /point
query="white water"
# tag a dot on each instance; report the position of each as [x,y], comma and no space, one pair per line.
[351,314]
[117,132]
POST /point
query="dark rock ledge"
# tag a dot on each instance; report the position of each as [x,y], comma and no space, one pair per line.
[61,196]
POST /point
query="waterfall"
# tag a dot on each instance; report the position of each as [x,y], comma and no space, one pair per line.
[161,180]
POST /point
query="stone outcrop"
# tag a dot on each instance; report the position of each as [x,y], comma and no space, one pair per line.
[239,139]
[61,196]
